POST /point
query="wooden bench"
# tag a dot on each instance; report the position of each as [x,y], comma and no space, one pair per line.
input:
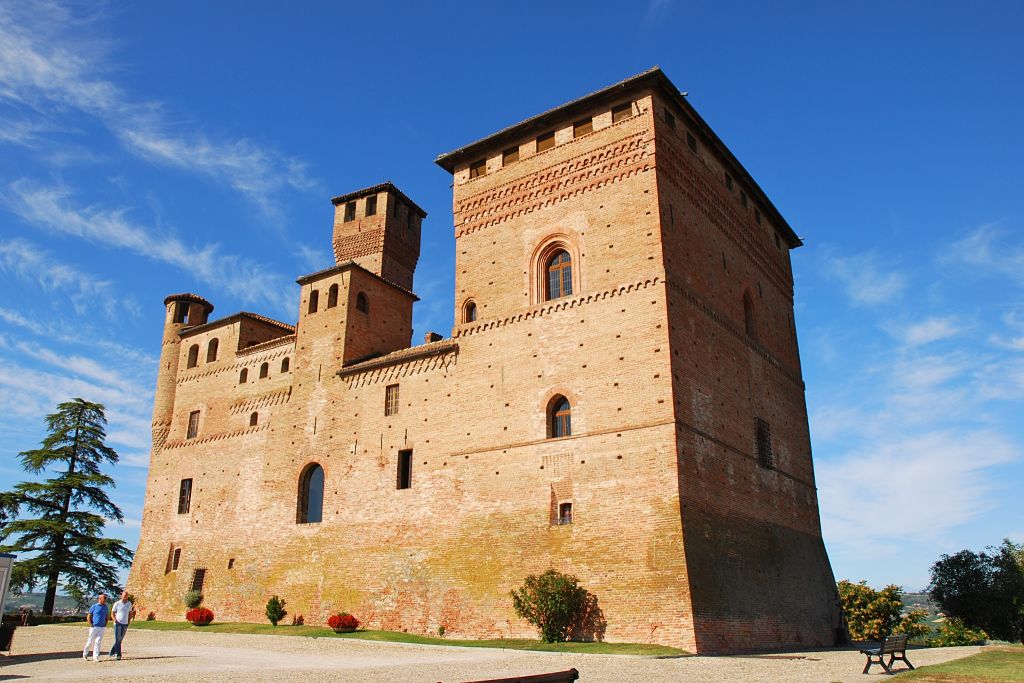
[894,646]
[556,677]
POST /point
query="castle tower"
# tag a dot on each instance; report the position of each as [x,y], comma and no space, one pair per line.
[379,228]
[183,311]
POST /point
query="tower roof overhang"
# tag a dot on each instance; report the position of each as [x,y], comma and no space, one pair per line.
[374,189]
[652,79]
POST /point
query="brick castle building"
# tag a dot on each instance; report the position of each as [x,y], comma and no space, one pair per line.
[620,398]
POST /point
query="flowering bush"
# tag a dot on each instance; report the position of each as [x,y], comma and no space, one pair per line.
[343,622]
[200,616]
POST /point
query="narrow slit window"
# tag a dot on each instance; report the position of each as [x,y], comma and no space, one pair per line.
[332,296]
[391,400]
[311,495]
[583,127]
[362,303]
[193,425]
[371,205]
[545,141]
[198,578]
[243,376]
[404,469]
[763,439]
[622,112]
[510,156]
[184,496]
[175,559]
[314,301]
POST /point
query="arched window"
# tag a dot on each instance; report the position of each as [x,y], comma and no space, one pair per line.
[558,269]
[311,495]
[211,350]
[332,296]
[264,370]
[748,315]
[193,356]
[362,303]
[254,419]
[469,312]
[285,364]
[559,417]
[314,301]
[243,376]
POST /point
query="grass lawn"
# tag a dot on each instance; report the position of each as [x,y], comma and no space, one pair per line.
[399,637]
[1002,664]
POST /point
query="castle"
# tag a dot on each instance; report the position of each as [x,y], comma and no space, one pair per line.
[620,398]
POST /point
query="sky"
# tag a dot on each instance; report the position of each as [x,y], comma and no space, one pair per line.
[153,148]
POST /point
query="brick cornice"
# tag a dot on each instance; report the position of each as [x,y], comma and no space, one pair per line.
[272,398]
[182,443]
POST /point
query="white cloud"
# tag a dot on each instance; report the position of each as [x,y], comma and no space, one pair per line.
[867,281]
[926,331]
[48,66]
[51,208]
[931,482]
[989,251]
[32,263]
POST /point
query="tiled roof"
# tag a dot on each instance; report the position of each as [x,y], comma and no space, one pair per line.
[345,265]
[374,189]
[400,356]
[189,331]
[188,296]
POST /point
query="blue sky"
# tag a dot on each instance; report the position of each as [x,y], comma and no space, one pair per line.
[154,148]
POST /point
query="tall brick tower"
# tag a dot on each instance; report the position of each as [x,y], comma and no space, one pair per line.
[182,311]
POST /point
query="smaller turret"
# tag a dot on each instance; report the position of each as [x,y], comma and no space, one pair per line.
[182,311]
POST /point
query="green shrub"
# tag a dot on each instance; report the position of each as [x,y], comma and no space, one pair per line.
[552,602]
[275,610]
[955,632]
[193,599]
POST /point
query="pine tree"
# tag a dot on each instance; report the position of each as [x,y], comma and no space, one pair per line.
[56,525]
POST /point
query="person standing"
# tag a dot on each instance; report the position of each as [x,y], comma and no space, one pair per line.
[123,610]
[97,618]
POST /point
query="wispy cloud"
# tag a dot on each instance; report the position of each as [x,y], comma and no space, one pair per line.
[991,251]
[47,66]
[52,208]
[867,280]
[926,331]
[30,262]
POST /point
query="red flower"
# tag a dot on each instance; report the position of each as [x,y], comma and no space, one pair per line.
[200,616]
[343,620]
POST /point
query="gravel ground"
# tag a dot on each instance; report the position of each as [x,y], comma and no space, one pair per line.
[55,653]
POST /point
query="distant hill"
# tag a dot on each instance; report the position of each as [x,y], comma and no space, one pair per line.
[34,601]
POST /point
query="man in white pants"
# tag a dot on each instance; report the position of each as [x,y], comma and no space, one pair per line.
[97,618]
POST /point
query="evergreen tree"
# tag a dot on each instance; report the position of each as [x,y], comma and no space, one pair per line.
[56,525]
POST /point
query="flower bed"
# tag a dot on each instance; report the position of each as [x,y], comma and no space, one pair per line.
[200,616]
[343,623]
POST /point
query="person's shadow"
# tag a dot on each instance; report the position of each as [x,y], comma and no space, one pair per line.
[74,654]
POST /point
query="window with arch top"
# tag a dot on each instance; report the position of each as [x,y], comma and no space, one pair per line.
[264,370]
[362,303]
[559,417]
[193,356]
[285,364]
[314,301]
[469,312]
[558,275]
[311,495]
[332,296]
[254,419]
[243,376]
[211,350]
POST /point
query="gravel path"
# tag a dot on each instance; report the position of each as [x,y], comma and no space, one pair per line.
[55,653]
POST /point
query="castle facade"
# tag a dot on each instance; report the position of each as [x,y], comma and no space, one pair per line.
[620,398]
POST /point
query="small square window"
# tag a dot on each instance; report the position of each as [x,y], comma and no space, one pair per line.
[670,119]
[478,168]
[691,141]
[583,127]
[622,112]
[350,212]
[193,425]
[564,513]
[391,400]
[546,141]
[510,156]
[371,205]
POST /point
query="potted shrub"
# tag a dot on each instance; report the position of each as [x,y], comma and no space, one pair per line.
[343,623]
[199,616]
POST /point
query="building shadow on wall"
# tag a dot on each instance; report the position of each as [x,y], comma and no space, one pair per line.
[591,625]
